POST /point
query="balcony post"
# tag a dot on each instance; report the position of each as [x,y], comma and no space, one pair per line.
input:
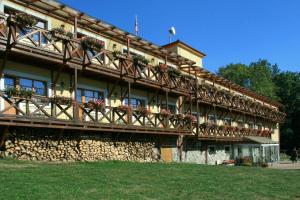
[197,104]
[75,103]
[129,113]
[75,27]
[167,108]
[128,46]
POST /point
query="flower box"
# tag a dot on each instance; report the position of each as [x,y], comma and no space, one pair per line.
[190,118]
[60,33]
[89,43]
[62,100]
[23,19]
[125,108]
[173,72]
[161,67]
[142,110]
[165,113]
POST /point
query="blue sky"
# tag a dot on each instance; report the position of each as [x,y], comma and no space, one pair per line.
[230,31]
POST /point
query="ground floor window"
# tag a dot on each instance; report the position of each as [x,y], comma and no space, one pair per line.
[212,150]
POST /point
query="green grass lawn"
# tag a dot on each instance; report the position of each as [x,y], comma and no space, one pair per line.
[125,180]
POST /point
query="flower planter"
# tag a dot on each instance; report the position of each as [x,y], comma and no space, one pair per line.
[89,43]
[174,72]
[23,20]
[62,36]
[142,111]
[161,67]
[165,113]
[62,100]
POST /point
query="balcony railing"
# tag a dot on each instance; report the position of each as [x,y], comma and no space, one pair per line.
[70,50]
[56,111]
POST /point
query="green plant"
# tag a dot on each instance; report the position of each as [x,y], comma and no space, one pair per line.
[25,19]
[61,31]
[26,93]
[90,43]
[174,72]
[187,76]
[138,59]
[11,91]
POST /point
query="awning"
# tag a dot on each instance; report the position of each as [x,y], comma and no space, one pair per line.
[260,140]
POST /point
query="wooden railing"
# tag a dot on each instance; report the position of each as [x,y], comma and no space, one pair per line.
[210,94]
[207,130]
[61,109]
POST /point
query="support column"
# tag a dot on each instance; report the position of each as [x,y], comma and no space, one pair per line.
[129,103]
[75,103]
[75,26]
[167,108]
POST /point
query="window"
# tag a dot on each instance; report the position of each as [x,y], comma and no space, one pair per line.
[240,124]
[29,84]
[87,95]
[9,82]
[135,102]
[39,87]
[227,121]
[227,149]
[171,107]
[212,119]
[251,125]
[125,51]
[211,150]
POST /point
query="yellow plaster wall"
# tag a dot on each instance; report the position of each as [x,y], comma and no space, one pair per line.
[190,55]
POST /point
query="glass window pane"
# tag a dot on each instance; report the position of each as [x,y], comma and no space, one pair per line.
[9,82]
[79,95]
[89,95]
[26,83]
[39,87]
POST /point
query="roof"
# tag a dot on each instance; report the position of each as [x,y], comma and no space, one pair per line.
[185,46]
[260,140]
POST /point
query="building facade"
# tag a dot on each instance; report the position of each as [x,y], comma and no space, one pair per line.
[76,88]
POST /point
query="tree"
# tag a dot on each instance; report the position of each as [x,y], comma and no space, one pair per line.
[267,80]
[237,73]
[288,84]
[258,76]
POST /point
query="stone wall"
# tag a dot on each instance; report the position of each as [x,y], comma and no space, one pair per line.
[42,144]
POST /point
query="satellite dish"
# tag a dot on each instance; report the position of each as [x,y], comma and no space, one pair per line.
[172,30]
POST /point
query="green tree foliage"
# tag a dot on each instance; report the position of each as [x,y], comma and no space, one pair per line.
[267,80]
[257,76]
[288,84]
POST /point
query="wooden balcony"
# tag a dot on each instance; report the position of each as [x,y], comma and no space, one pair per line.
[62,112]
[221,98]
[58,48]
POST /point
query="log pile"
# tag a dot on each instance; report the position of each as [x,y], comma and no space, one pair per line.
[86,149]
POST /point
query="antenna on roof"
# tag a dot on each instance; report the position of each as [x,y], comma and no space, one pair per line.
[136,26]
[172,32]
